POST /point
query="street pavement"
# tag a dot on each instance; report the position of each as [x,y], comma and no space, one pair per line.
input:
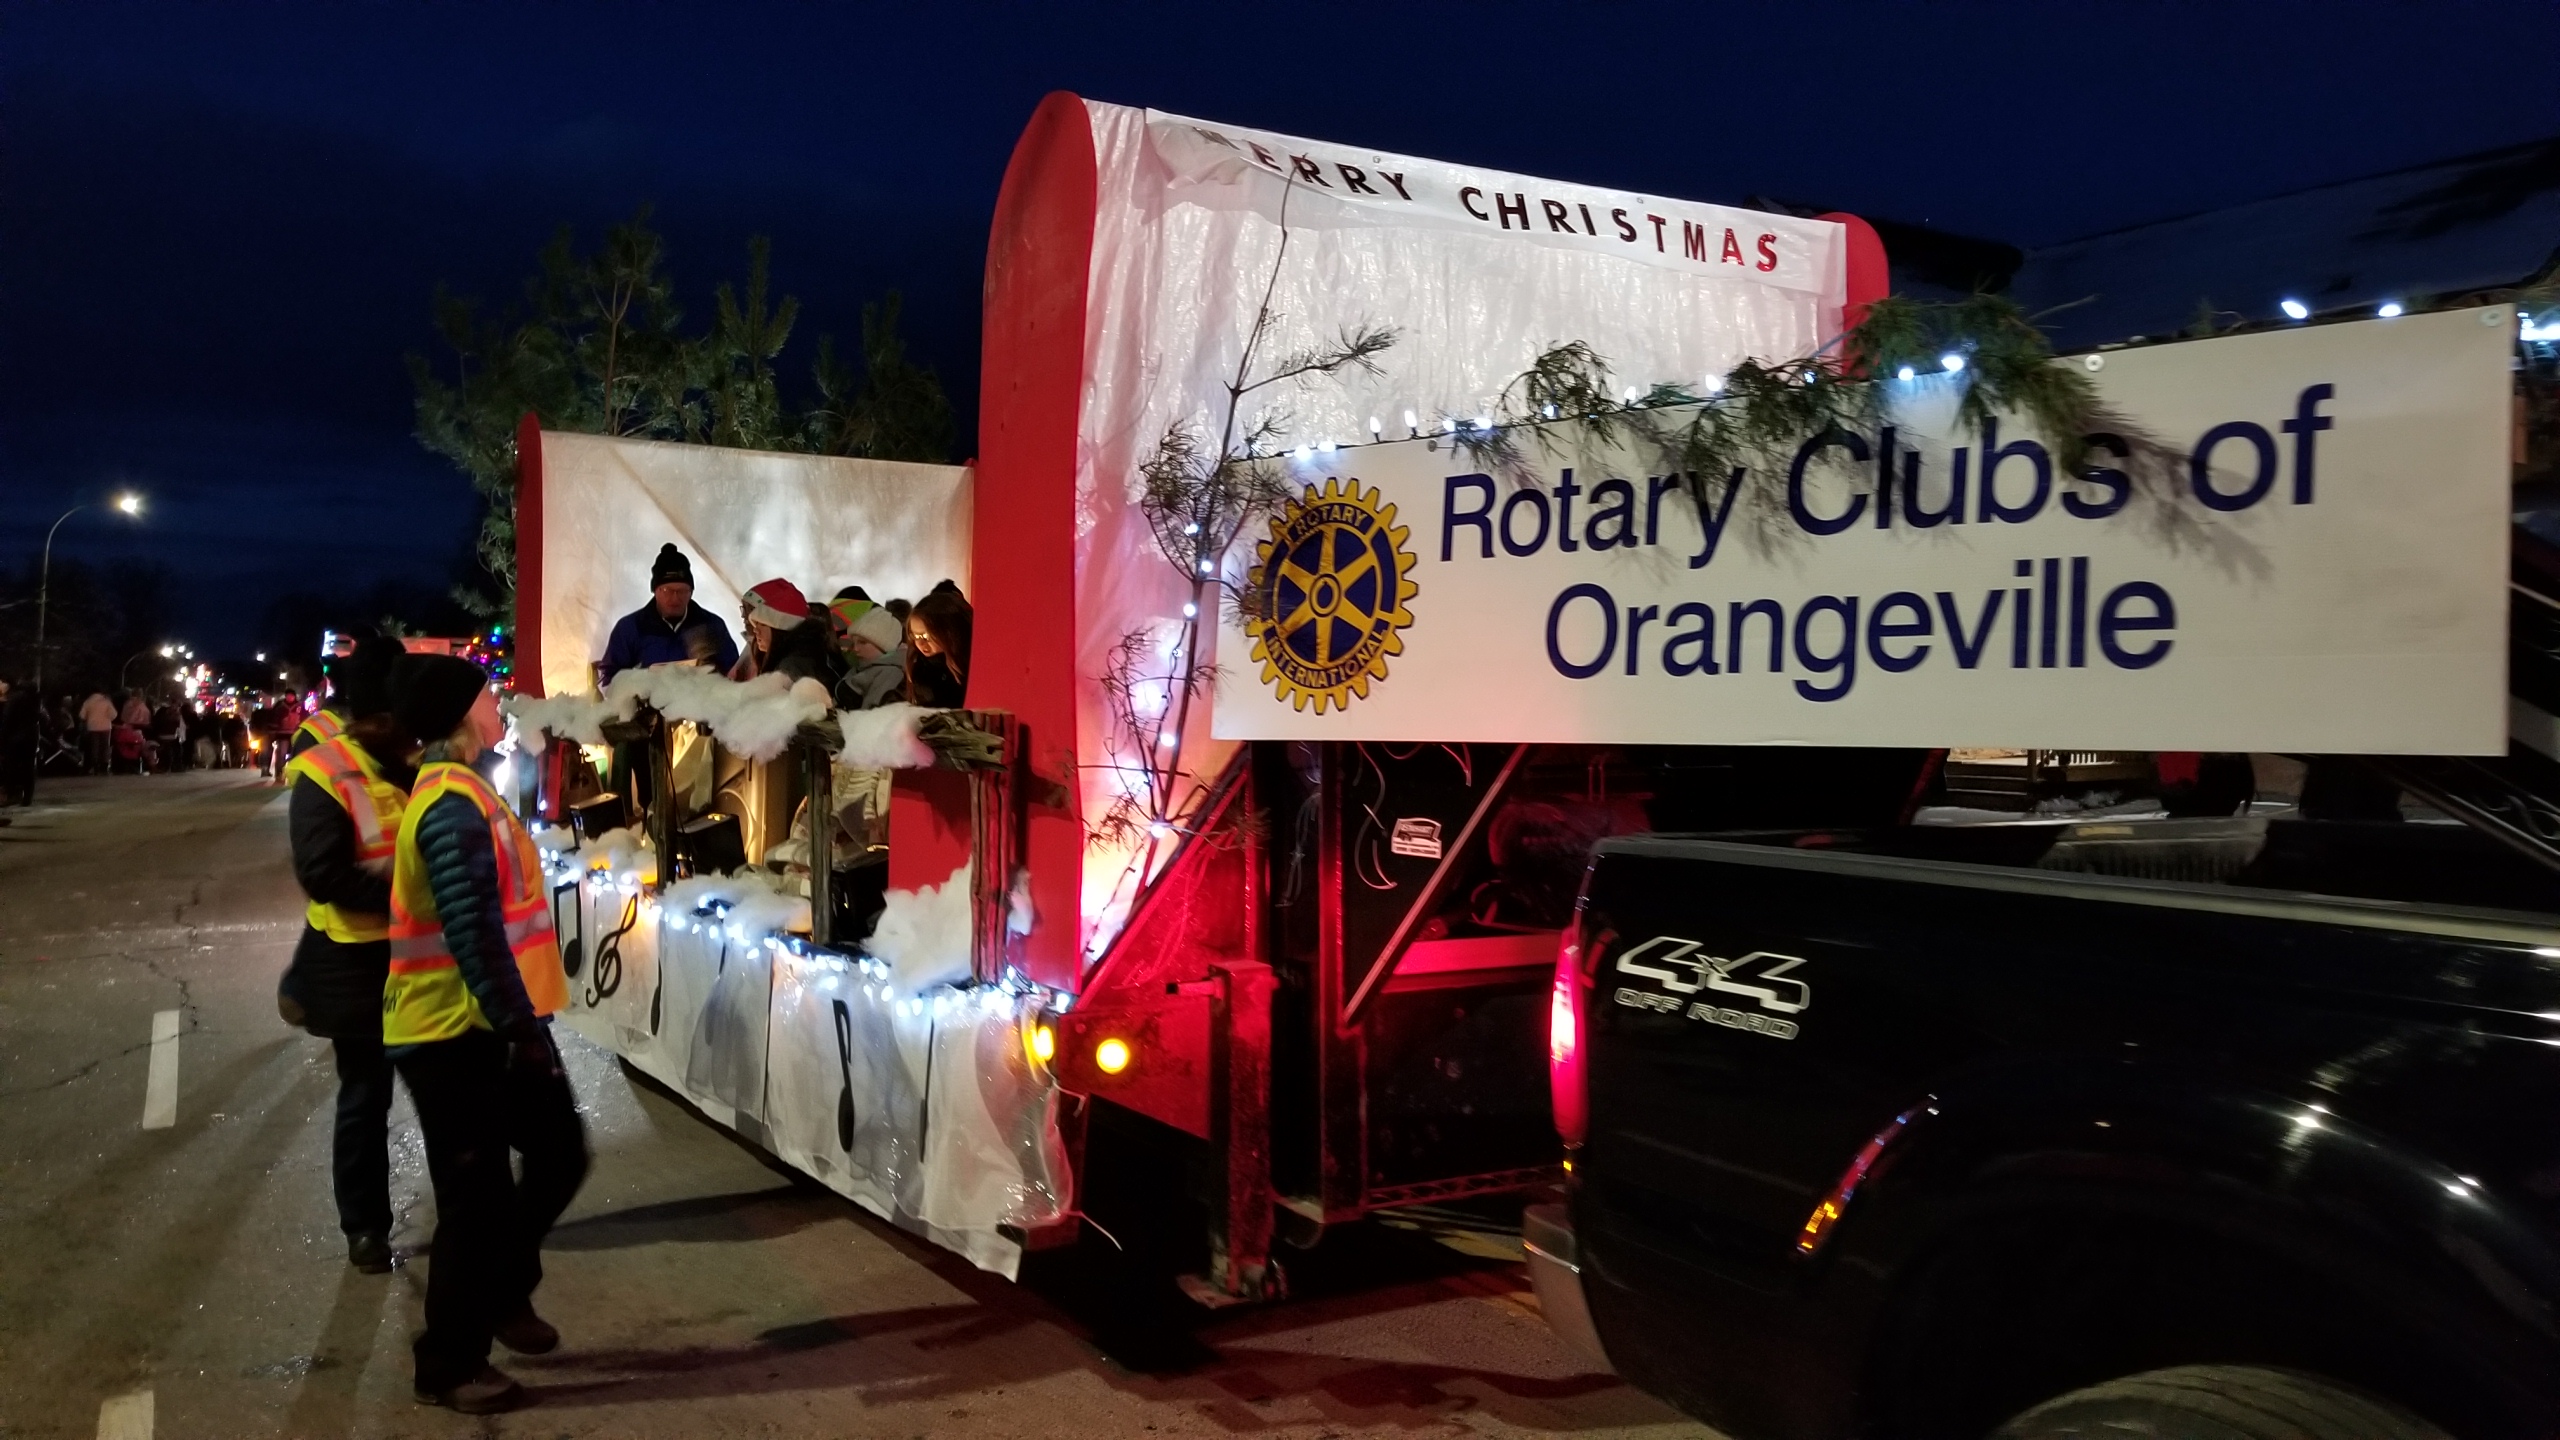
[170,1262]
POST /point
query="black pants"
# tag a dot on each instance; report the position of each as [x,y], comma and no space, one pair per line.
[542,1126]
[360,1159]
[474,1273]
[475,1107]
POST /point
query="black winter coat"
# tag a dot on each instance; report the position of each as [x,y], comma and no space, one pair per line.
[338,985]
[462,871]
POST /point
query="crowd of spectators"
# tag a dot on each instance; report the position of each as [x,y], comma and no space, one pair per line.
[127,733]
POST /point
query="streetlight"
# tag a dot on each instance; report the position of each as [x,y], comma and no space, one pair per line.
[129,504]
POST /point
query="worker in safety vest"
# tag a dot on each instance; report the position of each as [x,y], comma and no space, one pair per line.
[475,978]
[346,799]
[326,723]
[330,720]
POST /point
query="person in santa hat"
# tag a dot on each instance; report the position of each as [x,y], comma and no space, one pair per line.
[781,638]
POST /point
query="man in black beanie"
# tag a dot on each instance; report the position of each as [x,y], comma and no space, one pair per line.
[670,628]
[475,979]
[348,792]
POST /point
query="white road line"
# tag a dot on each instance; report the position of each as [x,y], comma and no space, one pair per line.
[126,1417]
[160,1094]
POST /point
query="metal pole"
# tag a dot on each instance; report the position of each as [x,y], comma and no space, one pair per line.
[44,594]
[820,773]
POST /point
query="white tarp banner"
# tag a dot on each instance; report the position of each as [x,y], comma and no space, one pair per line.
[923,1108]
[1478,271]
[741,517]
[1401,191]
[2327,573]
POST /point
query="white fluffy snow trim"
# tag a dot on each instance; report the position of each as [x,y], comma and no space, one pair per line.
[923,935]
[755,908]
[577,718]
[754,718]
[885,738]
[619,851]
[554,838]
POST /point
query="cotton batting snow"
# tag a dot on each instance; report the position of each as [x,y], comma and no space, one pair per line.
[923,935]
[885,738]
[619,850]
[755,718]
[755,907]
[574,718]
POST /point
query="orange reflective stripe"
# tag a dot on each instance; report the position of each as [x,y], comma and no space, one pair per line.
[427,999]
[373,805]
[358,798]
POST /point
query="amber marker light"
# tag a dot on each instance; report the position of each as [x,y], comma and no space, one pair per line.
[1043,1043]
[1111,1056]
[1818,1225]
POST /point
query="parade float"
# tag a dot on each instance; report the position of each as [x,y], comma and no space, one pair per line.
[1356,538]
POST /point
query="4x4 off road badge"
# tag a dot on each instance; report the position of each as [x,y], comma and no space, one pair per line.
[1683,968]
[1328,595]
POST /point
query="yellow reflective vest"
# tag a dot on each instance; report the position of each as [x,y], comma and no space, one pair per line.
[373,804]
[427,998]
[323,726]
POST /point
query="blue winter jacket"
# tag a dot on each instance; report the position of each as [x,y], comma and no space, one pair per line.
[645,637]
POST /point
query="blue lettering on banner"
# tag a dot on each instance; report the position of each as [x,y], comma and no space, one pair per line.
[2116,483]
[2058,613]
[1824,636]
[1993,452]
[2011,481]
[1577,670]
[1480,517]
[2200,465]
[1811,523]
[2305,426]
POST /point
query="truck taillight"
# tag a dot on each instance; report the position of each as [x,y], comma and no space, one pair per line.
[1564,1038]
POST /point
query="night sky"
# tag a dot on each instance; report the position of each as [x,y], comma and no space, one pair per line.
[221,226]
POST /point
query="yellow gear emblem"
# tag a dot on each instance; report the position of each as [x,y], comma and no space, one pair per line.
[1329,593]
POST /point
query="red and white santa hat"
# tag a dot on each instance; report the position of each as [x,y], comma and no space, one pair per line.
[778,603]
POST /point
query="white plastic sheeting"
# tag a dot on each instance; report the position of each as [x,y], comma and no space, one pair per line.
[1187,237]
[741,517]
[924,1107]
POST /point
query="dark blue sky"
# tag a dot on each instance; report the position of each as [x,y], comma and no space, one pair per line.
[220,226]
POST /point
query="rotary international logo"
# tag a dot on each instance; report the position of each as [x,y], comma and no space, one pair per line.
[1329,593]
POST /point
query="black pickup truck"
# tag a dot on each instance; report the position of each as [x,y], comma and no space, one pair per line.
[2236,1128]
